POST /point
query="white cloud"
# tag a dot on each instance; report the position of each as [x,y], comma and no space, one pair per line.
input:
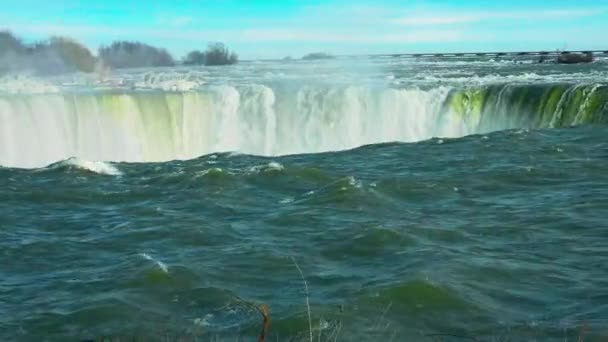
[288,35]
[422,19]
[356,12]
[175,21]
[342,30]
[48,29]
[434,20]
[239,35]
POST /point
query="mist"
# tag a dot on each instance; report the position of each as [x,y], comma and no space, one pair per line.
[59,55]
[53,56]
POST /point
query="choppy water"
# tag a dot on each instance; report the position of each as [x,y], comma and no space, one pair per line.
[486,220]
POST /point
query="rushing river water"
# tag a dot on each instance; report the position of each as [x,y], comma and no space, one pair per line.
[422,200]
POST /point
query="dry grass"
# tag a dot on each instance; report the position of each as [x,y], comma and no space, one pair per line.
[307,300]
[265,322]
[380,325]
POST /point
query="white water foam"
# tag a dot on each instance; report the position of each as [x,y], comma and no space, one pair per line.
[205,321]
[99,167]
[214,170]
[169,81]
[520,78]
[287,200]
[159,263]
[353,182]
[25,85]
[272,166]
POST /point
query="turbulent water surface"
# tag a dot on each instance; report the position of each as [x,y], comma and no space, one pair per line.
[421,200]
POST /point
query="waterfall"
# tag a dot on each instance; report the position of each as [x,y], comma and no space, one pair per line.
[39,129]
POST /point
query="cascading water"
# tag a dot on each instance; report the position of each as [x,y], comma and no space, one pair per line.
[39,129]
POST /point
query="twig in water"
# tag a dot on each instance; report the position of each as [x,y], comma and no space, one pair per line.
[306,293]
[263,309]
[320,329]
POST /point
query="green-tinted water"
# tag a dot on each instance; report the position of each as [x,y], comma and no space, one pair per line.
[487,236]
[487,221]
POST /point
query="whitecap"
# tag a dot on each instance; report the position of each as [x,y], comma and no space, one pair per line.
[159,263]
[99,167]
[272,166]
[205,321]
[287,200]
[215,170]
[352,181]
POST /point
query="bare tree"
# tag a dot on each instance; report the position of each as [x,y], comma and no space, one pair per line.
[124,54]
[216,54]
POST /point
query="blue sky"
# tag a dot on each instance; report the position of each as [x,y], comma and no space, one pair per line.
[269,29]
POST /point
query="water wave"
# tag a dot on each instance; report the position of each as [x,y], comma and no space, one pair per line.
[159,263]
[270,167]
[97,167]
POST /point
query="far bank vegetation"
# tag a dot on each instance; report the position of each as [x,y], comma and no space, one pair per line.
[317,55]
[53,56]
[124,54]
[58,55]
[216,54]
